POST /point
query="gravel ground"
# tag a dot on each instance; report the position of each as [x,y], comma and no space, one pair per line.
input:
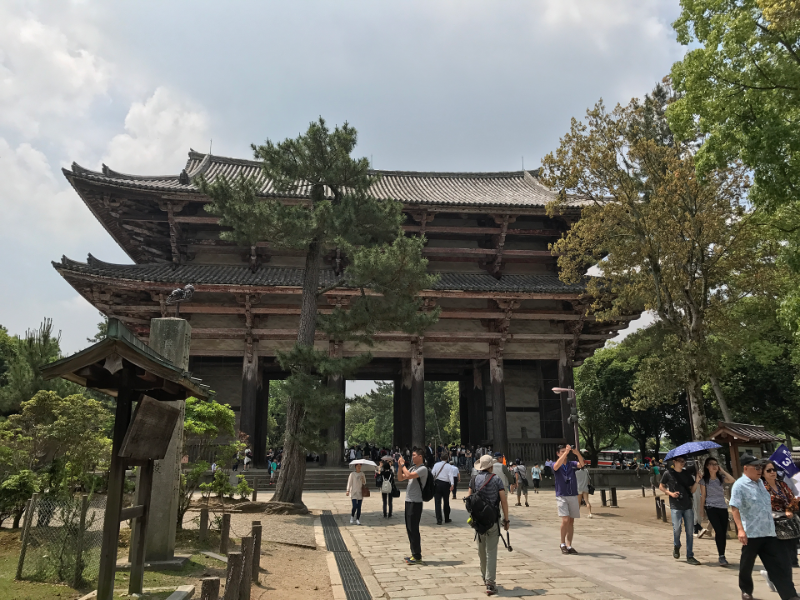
[297,530]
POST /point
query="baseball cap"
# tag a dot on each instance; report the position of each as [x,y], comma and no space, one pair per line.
[498,454]
[748,459]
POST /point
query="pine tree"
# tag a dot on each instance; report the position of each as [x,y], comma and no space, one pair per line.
[336,212]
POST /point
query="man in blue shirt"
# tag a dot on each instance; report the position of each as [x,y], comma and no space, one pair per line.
[752,512]
[569,507]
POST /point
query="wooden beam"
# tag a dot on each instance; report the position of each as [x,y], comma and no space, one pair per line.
[471,231]
[428,251]
[131,512]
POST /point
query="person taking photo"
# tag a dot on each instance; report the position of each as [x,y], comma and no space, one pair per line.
[569,507]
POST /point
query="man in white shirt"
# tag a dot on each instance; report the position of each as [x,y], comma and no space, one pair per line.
[456,473]
[443,485]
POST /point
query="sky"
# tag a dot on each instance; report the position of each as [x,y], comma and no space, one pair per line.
[451,85]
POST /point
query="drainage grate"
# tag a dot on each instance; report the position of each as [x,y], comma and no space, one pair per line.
[353,583]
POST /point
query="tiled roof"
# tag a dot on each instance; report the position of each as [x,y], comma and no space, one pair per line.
[285,276]
[745,432]
[508,189]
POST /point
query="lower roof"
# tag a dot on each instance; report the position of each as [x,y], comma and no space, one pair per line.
[267,276]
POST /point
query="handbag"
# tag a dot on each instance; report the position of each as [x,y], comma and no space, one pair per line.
[786,528]
[591,489]
[395,491]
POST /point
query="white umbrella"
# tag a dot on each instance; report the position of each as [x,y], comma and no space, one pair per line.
[366,465]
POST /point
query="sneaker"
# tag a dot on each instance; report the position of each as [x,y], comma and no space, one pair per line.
[564,549]
[491,589]
[526,504]
[723,562]
[358,522]
[692,561]
[448,520]
[591,516]
[676,552]
[571,550]
[410,560]
[765,575]
[351,520]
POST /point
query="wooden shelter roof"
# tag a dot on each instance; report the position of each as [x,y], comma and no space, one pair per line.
[742,433]
[99,367]
[266,276]
[498,189]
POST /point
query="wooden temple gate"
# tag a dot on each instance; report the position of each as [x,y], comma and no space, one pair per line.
[509,330]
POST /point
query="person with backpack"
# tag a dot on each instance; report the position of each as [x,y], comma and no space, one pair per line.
[386,483]
[484,499]
[419,490]
[520,474]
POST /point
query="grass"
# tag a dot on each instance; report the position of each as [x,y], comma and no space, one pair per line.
[187,542]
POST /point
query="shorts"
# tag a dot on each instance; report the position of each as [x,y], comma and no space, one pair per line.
[536,484]
[568,506]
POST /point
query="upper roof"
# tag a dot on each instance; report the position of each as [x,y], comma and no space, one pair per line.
[502,189]
[267,276]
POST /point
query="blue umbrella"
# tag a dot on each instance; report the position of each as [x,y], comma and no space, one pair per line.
[691,449]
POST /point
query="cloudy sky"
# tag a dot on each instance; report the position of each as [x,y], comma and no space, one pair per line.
[446,85]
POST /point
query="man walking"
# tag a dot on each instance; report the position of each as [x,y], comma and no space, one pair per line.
[442,486]
[752,511]
[520,474]
[679,486]
[569,508]
[499,469]
[490,487]
[417,475]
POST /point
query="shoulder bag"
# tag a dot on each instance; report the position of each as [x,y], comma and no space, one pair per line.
[786,528]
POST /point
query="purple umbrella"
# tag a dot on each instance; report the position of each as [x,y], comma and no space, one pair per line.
[692,449]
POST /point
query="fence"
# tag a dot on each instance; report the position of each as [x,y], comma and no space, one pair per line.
[533,450]
[61,539]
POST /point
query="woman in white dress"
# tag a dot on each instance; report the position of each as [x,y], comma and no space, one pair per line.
[354,485]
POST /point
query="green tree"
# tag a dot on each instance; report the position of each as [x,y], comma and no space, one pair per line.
[8,352]
[740,84]
[14,493]
[337,213]
[665,239]
[441,398]
[369,417]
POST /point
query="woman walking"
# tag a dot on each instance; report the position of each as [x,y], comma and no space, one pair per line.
[784,508]
[536,476]
[355,483]
[712,499]
[386,483]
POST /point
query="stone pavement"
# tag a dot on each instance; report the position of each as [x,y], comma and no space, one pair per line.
[619,558]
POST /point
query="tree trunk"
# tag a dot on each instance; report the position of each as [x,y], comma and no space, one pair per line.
[697,415]
[17,517]
[293,467]
[723,405]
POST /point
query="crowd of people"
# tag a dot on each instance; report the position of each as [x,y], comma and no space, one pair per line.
[763,506]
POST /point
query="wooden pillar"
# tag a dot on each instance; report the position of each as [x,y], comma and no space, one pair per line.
[251,390]
[262,421]
[477,406]
[336,429]
[116,480]
[566,380]
[464,400]
[417,394]
[499,428]
[139,533]
[402,407]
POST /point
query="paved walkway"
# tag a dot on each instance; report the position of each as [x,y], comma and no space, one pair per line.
[619,559]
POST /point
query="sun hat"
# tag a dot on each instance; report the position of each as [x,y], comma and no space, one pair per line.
[485,463]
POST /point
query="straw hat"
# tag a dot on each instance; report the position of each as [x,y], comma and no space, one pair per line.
[485,463]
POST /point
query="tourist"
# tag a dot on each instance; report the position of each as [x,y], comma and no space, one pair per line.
[456,478]
[413,515]
[462,457]
[430,455]
[520,474]
[712,499]
[536,476]
[470,459]
[583,479]
[751,506]
[355,483]
[548,468]
[501,470]
[784,506]
[443,485]
[490,488]
[566,484]
[248,459]
[386,483]
[679,485]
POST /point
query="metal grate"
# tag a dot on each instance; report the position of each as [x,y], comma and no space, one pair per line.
[353,583]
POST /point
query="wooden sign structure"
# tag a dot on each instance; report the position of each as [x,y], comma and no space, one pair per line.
[742,434]
[124,367]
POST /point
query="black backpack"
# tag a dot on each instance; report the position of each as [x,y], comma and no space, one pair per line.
[483,516]
[427,489]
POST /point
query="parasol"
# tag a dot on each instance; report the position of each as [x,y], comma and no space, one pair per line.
[366,465]
[692,449]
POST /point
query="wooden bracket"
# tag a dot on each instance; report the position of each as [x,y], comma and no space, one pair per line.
[162,302]
[416,351]
[423,217]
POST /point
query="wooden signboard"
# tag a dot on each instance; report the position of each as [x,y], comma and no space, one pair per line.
[150,432]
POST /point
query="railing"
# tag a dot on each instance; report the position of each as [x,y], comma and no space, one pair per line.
[206,452]
[533,450]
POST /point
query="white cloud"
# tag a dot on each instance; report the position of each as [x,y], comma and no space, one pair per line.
[158,133]
[44,73]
